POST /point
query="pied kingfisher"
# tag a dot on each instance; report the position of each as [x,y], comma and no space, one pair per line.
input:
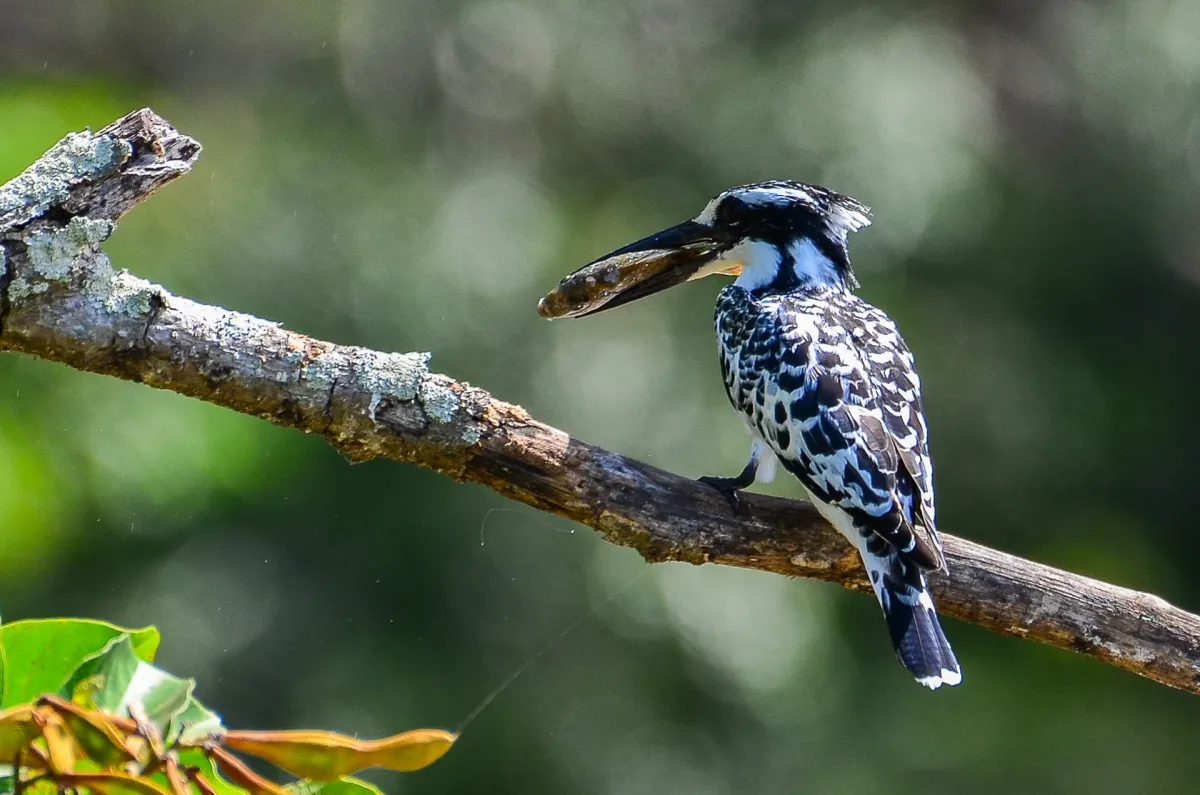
[823,380]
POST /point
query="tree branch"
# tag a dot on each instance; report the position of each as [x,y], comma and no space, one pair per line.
[60,299]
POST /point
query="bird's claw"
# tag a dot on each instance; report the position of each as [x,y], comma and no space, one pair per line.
[729,489]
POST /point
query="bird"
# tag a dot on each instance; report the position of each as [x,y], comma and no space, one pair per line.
[823,380]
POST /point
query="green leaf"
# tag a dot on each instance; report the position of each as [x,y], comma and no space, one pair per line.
[100,680]
[194,757]
[163,696]
[2,668]
[342,786]
[194,723]
[40,654]
[115,678]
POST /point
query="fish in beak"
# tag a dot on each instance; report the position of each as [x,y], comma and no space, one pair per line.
[673,256]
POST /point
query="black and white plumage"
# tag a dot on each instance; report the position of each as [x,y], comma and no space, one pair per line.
[829,389]
[826,386]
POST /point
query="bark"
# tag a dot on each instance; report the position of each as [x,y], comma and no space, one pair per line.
[61,299]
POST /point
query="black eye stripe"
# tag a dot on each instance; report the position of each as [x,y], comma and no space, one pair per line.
[813,215]
[775,223]
[731,213]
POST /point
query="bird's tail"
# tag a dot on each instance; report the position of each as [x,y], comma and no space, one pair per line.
[908,608]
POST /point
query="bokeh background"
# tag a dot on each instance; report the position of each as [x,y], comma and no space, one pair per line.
[412,175]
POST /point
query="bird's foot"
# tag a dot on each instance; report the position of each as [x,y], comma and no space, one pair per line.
[730,488]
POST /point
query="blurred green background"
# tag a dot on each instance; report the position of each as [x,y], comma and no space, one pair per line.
[412,175]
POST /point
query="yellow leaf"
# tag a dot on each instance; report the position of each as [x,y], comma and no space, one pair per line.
[59,741]
[103,738]
[324,756]
[17,729]
[109,784]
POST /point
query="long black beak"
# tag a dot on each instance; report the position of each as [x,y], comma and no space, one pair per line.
[648,266]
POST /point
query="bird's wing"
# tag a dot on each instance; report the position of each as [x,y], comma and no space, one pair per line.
[830,388]
[892,369]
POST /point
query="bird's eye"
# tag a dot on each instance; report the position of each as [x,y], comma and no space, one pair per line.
[731,213]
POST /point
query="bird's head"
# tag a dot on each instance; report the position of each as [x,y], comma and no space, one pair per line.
[775,237]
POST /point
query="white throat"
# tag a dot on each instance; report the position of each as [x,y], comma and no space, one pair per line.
[761,262]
